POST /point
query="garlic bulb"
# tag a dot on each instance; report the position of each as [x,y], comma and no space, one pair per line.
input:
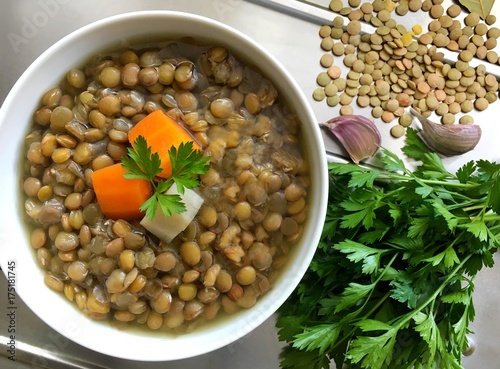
[357,134]
[449,140]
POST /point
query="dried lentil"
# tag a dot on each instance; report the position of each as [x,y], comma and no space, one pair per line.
[397,131]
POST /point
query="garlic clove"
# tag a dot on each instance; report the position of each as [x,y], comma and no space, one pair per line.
[358,135]
[448,140]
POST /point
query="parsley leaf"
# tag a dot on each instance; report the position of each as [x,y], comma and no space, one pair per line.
[391,283]
[187,164]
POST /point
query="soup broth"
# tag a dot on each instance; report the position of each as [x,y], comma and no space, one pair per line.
[254,193]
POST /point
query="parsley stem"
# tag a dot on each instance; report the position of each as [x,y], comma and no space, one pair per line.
[489,218]
[406,318]
[374,308]
[480,217]
[470,208]
[408,178]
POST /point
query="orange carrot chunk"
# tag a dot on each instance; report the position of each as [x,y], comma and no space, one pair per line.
[161,133]
[119,197]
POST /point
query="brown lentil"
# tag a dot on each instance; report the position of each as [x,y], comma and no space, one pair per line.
[160,284]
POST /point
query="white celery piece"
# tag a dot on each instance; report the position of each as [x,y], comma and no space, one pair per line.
[166,228]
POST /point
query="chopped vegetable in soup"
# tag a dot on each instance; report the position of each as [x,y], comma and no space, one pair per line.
[164,185]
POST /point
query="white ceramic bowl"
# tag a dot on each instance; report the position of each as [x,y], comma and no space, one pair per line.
[15,117]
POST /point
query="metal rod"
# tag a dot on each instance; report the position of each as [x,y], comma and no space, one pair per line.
[37,357]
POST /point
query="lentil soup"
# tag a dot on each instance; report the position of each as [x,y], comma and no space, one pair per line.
[254,193]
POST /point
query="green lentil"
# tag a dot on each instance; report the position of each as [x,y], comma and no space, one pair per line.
[415,5]
[363,90]
[392,105]
[465,56]
[427,5]
[454,108]
[325,31]
[431,102]
[397,131]
[384,15]
[346,110]
[481,104]
[493,32]
[349,49]
[323,79]
[349,60]
[372,57]
[460,65]
[345,11]
[481,92]
[402,9]
[319,94]
[327,43]
[377,111]
[367,8]
[481,29]
[336,33]
[378,5]
[375,101]
[363,101]
[326,60]
[454,10]
[434,26]
[460,97]
[466,119]
[442,109]
[490,19]
[353,27]
[331,89]
[352,90]
[376,22]
[491,97]
[455,34]
[358,66]
[448,118]
[477,40]
[463,41]
[467,106]
[340,83]
[490,43]
[338,49]
[352,74]
[472,19]
[405,120]
[338,21]
[336,5]
[481,70]
[333,100]
[472,48]
[468,31]
[354,40]
[345,99]
[454,74]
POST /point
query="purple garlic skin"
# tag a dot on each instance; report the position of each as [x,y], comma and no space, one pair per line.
[358,135]
[448,140]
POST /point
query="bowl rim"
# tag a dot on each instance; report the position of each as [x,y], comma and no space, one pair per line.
[65,327]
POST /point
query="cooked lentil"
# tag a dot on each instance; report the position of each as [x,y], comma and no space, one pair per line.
[255,191]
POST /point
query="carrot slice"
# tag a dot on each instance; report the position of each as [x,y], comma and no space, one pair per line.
[119,197]
[161,133]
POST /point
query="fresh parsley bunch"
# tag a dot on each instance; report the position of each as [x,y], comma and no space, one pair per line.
[391,283]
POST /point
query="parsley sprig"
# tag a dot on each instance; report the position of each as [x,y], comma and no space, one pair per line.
[187,163]
[391,283]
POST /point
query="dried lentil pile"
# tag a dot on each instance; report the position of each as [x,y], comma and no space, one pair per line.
[395,68]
